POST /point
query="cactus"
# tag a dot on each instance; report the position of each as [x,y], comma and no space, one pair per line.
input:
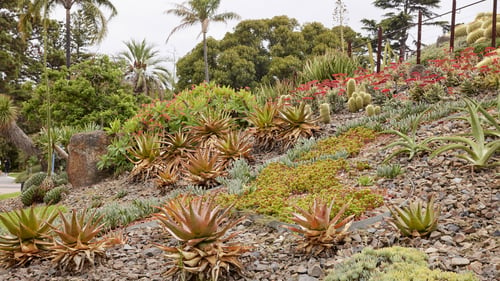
[351,104]
[488,30]
[461,30]
[377,110]
[54,195]
[473,26]
[475,35]
[370,110]
[367,98]
[35,180]
[32,195]
[351,87]
[324,113]
[359,102]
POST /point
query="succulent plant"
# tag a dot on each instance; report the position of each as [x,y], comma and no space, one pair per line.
[204,167]
[54,195]
[413,221]
[200,225]
[234,146]
[295,123]
[76,244]
[211,125]
[32,195]
[324,113]
[29,236]
[264,121]
[351,87]
[320,231]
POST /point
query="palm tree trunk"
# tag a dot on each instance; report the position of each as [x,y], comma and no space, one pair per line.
[205,56]
[68,38]
[16,136]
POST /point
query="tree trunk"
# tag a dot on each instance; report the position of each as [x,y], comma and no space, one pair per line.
[68,38]
[21,141]
[205,56]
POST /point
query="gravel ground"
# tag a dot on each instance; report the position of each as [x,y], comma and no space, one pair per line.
[467,237]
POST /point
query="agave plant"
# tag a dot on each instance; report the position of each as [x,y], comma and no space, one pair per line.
[413,221]
[77,243]
[320,231]
[265,125]
[477,150]
[29,236]
[176,148]
[233,146]
[204,167]
[295,123]
[200,225]
[407,143]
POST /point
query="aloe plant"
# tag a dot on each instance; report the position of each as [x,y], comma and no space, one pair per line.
[407,143]
[477,150]
[413,220]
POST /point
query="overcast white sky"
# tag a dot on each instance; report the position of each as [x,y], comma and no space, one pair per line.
[147,19]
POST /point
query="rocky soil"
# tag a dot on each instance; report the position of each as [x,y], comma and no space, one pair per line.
[468,236]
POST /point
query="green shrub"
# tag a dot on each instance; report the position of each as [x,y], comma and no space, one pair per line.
[323,67]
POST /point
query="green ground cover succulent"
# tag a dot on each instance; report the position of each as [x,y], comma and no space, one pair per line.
[351,141]
[391,264]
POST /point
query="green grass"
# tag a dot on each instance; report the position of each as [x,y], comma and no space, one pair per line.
[14,174]
[9,195]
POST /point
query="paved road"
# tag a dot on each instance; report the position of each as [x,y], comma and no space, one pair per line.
[7,184]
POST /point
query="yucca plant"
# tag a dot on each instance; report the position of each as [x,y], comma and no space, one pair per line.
[264,121]
[320,231]
[477,151]
[204,167]
[296,122]
[407,143]
[234,146]
[200,225]
[76,244]
[414,221]
[210,125]
[29,236]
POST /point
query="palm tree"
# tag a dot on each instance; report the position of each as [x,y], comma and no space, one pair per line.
[144,68]
[200,11]
[11,131]
[91,11]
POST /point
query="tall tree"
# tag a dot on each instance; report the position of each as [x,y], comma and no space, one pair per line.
[145,69]
[203,12]
[91,10]
[402,17]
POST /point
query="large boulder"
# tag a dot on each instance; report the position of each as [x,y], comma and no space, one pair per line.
[84,150]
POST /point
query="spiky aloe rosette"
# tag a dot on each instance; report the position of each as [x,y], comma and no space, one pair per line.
[77,244]
[200,225]
[29,236]
[413,221]
[319,230]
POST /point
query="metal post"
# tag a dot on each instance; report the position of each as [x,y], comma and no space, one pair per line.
[452,34]
[379,48]
[349,48]
[494,25]
[419,35]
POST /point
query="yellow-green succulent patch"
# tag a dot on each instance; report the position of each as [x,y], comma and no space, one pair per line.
[351,141]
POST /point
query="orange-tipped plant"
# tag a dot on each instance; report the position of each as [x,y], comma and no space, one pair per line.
[233,146]
[29,236]
[320,231]
[204,167]
[413,221]
[211,125]
[200,225]
[77,243]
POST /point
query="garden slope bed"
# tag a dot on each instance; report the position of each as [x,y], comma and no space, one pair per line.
[467,237]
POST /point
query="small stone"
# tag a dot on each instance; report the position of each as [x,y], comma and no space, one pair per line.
[447,239]
[459,237]
[304,277]
[459,261]
[301,269]
[151,252]
[315,270]
[128,247]
[431,250]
